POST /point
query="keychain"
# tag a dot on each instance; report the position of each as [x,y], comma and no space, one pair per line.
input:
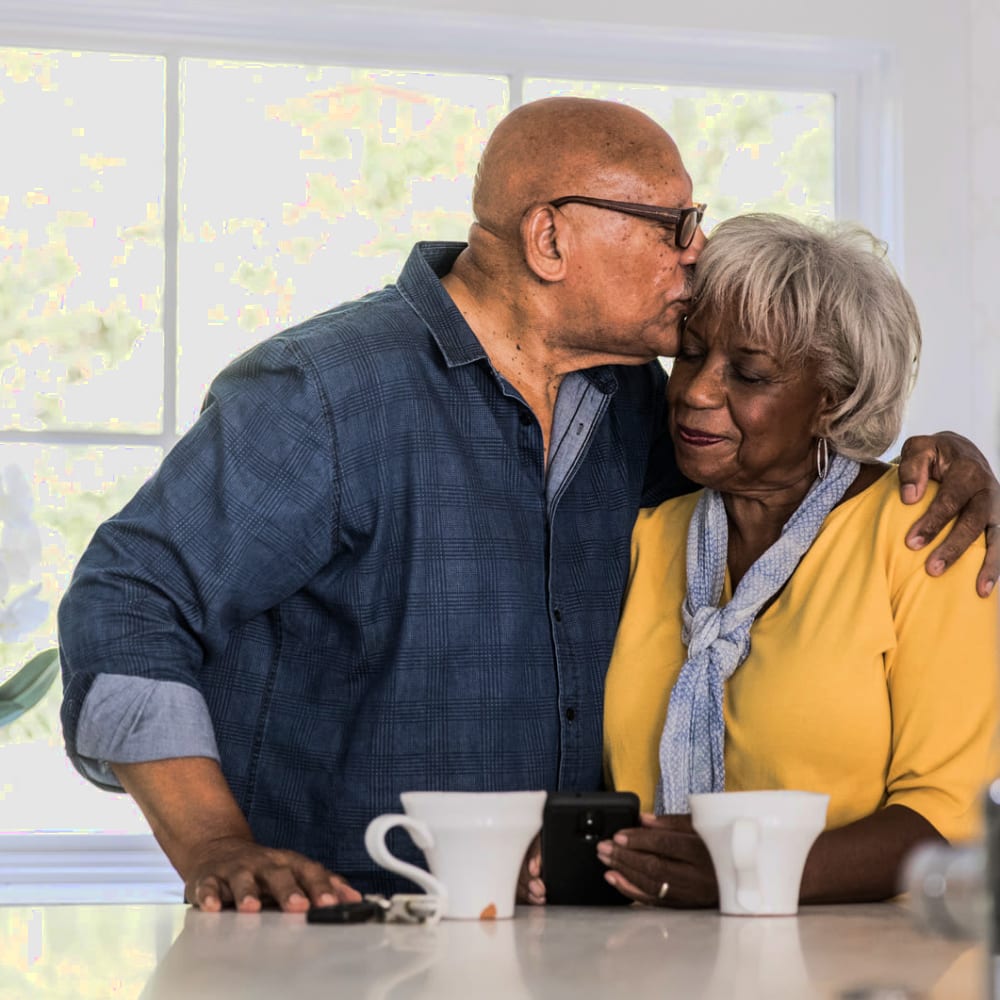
[402,908]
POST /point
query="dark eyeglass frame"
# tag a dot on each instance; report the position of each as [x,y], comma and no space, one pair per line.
[679,218]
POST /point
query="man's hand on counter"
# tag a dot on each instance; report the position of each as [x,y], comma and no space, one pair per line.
[232,871]
[198,823]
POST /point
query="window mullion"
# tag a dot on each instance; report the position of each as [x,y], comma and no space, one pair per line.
[515,81]
[171,243]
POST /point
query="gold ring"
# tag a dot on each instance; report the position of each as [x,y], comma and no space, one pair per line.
[664,889]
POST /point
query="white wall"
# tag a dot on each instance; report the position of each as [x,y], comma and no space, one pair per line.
[984,103]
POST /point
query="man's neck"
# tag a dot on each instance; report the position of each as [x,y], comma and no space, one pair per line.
[515,340]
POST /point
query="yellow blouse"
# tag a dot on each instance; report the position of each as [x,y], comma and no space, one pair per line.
[866,678]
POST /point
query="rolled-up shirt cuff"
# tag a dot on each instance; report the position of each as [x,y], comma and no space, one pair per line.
[128,720]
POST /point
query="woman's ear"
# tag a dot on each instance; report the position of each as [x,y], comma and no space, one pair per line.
[544,240]
[824,415]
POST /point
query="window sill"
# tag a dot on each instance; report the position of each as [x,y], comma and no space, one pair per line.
[45,868]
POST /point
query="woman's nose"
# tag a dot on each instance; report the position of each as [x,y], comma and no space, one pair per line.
[704,388]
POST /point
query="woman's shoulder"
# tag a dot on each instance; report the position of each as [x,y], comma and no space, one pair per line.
[877,519]
[881,497]
[668,518]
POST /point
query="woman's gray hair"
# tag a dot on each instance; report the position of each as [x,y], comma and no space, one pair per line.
[824,293]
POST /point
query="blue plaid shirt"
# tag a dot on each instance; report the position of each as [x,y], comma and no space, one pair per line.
[358,565]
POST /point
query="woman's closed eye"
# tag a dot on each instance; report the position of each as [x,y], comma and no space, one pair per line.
[689,355]
[739,372]
[749,377]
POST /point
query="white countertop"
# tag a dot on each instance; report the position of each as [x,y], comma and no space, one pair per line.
[172,951]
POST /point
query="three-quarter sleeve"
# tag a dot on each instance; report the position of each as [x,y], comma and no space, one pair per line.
[942,678]
[241,513]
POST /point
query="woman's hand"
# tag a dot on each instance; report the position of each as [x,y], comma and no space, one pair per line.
[664,851]
[530,887]
[969,492]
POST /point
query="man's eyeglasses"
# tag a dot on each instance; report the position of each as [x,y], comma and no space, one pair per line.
[684,220]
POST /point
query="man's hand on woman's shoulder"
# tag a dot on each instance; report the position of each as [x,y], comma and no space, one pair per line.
[969,493]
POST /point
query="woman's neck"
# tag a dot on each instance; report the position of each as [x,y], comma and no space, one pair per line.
[755,523]
[757,517]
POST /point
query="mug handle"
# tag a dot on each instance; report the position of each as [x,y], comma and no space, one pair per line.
[417,829]
[744,841]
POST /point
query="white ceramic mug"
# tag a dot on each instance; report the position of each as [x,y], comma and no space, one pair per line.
[759,842]
[474,843]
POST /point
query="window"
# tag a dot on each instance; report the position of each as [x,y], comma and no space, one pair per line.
[170,205]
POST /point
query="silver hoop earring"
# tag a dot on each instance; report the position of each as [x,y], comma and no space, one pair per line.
[822,457]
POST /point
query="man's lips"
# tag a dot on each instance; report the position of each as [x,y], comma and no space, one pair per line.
[698,439]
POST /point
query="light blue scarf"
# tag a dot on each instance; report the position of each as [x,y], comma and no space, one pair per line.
[718,639]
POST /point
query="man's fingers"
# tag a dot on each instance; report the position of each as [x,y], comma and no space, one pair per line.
[249,878]
[918,455]
[209,893]
[942,509]
[286,890]
[343,891]
[968,489]
[990,572]
[245,890]
[969,525]
[962,534]
[296,886]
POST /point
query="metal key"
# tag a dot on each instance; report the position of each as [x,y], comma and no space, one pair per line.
[408,908]
[403,908]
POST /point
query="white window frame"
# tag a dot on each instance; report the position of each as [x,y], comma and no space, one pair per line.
[96,867]
[40,868]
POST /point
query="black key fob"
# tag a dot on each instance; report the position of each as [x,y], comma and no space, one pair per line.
[344,913]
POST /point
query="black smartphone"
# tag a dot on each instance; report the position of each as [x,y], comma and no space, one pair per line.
[572,825]
[344,913]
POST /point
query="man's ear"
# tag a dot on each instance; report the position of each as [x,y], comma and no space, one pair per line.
[543,238]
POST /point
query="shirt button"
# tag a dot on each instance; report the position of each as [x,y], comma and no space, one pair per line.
[557,614]
[570,714]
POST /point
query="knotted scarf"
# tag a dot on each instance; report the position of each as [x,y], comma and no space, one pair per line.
[718,639]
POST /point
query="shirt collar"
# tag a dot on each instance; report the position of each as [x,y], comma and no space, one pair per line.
[420,285]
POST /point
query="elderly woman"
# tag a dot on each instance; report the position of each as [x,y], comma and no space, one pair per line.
[777,633]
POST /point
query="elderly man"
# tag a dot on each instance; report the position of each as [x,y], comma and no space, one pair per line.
[391,553]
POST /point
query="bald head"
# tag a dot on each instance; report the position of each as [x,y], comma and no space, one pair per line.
[567,145]
[554,288]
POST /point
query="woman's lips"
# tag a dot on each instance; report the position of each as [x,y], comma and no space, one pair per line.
[697,439]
